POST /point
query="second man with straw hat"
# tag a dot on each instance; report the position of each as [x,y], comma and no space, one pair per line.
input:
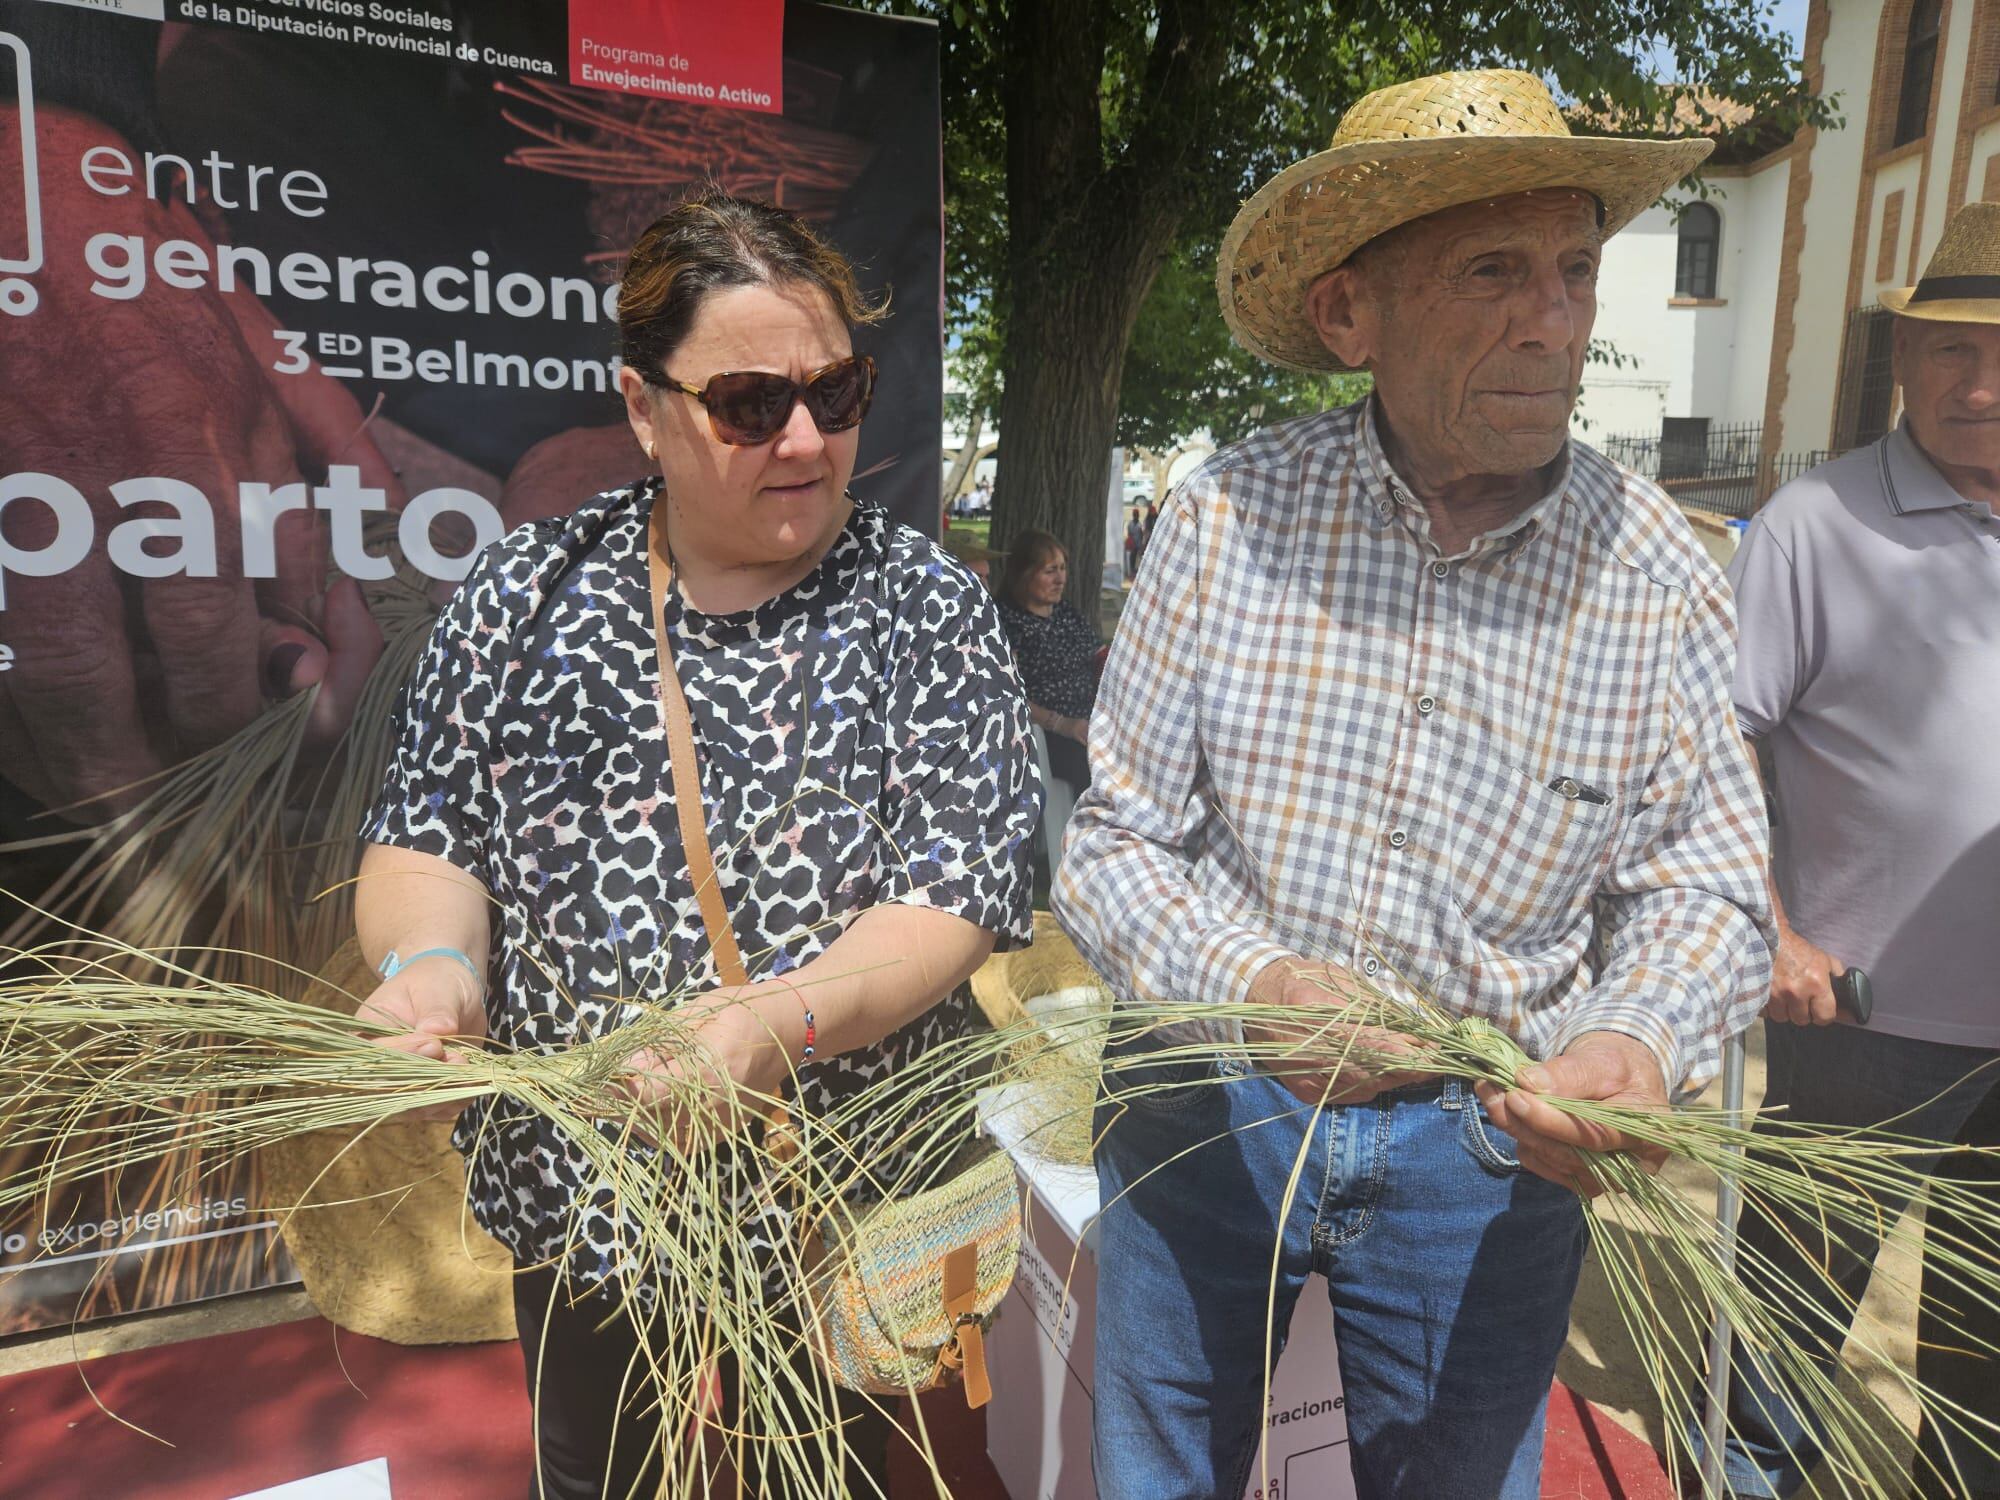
[1869,673]
[1414,696]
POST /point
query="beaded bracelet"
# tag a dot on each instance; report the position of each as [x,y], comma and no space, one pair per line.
[812,1028]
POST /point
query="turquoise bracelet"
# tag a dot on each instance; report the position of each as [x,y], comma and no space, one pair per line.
[393,964]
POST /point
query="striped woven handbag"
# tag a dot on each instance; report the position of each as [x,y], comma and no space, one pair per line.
[902,1297]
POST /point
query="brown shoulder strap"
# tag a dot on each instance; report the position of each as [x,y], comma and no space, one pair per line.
[687,770]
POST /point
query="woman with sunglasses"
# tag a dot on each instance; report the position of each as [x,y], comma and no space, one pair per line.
[865,774]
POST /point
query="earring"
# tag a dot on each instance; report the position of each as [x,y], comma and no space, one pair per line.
[650,454]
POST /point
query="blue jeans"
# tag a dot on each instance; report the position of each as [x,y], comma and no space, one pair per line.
[1846,1076]
[1451,1273]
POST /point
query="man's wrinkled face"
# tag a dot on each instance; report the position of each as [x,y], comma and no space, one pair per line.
[1474,322]
[1950,373]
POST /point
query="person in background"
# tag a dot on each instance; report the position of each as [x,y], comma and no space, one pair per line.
[1056,649]
[1868,674]
[1135,544]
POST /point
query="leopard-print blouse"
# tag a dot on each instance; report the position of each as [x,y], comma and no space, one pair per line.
[530,752]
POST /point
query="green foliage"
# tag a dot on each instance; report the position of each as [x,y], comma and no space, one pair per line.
[1185,374]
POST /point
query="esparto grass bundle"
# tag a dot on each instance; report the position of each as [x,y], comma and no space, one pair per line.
[248,1067]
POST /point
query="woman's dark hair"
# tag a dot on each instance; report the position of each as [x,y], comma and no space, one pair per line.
[709,242]
[1030,551]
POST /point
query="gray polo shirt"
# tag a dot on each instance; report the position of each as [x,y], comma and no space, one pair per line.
[1868,598]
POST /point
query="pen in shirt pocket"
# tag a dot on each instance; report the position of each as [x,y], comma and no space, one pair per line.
[1569,788]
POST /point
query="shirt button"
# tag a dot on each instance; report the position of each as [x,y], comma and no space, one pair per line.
[1370,966]
[1426,704]
[1398,838]
[1440,570]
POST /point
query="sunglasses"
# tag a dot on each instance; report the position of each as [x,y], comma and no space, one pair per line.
[747,407]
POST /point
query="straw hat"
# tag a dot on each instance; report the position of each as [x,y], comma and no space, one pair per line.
[1403,152]
[1962,282]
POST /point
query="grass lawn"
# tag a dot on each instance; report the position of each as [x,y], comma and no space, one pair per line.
[979,528]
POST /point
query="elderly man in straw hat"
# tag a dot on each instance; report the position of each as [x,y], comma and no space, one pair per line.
[1869,670]
[1419,695]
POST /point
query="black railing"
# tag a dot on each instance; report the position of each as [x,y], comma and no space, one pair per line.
[1709,467]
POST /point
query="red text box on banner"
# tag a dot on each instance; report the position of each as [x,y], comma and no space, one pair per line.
[729,55]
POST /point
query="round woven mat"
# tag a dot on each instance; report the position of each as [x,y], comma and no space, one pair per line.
[1058,1007]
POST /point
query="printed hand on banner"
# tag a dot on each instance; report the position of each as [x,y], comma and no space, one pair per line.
[112,677]
[550,477]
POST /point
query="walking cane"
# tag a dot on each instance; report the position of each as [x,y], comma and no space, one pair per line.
[1854,995]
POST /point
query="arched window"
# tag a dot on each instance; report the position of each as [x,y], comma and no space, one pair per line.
[1694,265]
[1920,46]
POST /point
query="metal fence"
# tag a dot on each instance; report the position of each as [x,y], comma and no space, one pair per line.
[1712,467]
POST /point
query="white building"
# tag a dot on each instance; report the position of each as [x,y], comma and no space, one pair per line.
[1759,321]
[1690,302]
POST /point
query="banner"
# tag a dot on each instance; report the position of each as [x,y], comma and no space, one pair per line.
[302,302]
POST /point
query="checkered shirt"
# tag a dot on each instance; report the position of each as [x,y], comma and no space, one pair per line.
[1317,736]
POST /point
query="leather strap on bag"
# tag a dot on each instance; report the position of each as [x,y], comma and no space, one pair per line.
[687,769]
[967,1348]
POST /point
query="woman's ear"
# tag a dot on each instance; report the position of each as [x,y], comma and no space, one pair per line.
[1334,305]
[639,409]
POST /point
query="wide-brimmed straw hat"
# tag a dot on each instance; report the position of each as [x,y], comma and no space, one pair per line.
[1962,282]
[1403,152]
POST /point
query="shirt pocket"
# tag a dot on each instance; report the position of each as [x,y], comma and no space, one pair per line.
[1527,857]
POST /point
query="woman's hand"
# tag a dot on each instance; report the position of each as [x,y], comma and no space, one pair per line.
[745,1041]
[431,999]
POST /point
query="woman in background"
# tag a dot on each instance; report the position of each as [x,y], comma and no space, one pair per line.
[1056,648]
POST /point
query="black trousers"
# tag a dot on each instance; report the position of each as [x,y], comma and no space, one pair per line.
[597,1438]
[1956,1333]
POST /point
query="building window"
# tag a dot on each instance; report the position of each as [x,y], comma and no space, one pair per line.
[1694,265]
[1867,380]
[1913,105]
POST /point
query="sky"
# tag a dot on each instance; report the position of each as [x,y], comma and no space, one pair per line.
[1790,17]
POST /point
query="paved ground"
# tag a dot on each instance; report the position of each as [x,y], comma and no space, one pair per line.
[34,1351]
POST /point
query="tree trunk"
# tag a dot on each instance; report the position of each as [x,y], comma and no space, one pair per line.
[1058,417]
[1086,239]
[961,466]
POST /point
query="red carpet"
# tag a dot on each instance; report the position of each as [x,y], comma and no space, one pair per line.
[249,1410]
